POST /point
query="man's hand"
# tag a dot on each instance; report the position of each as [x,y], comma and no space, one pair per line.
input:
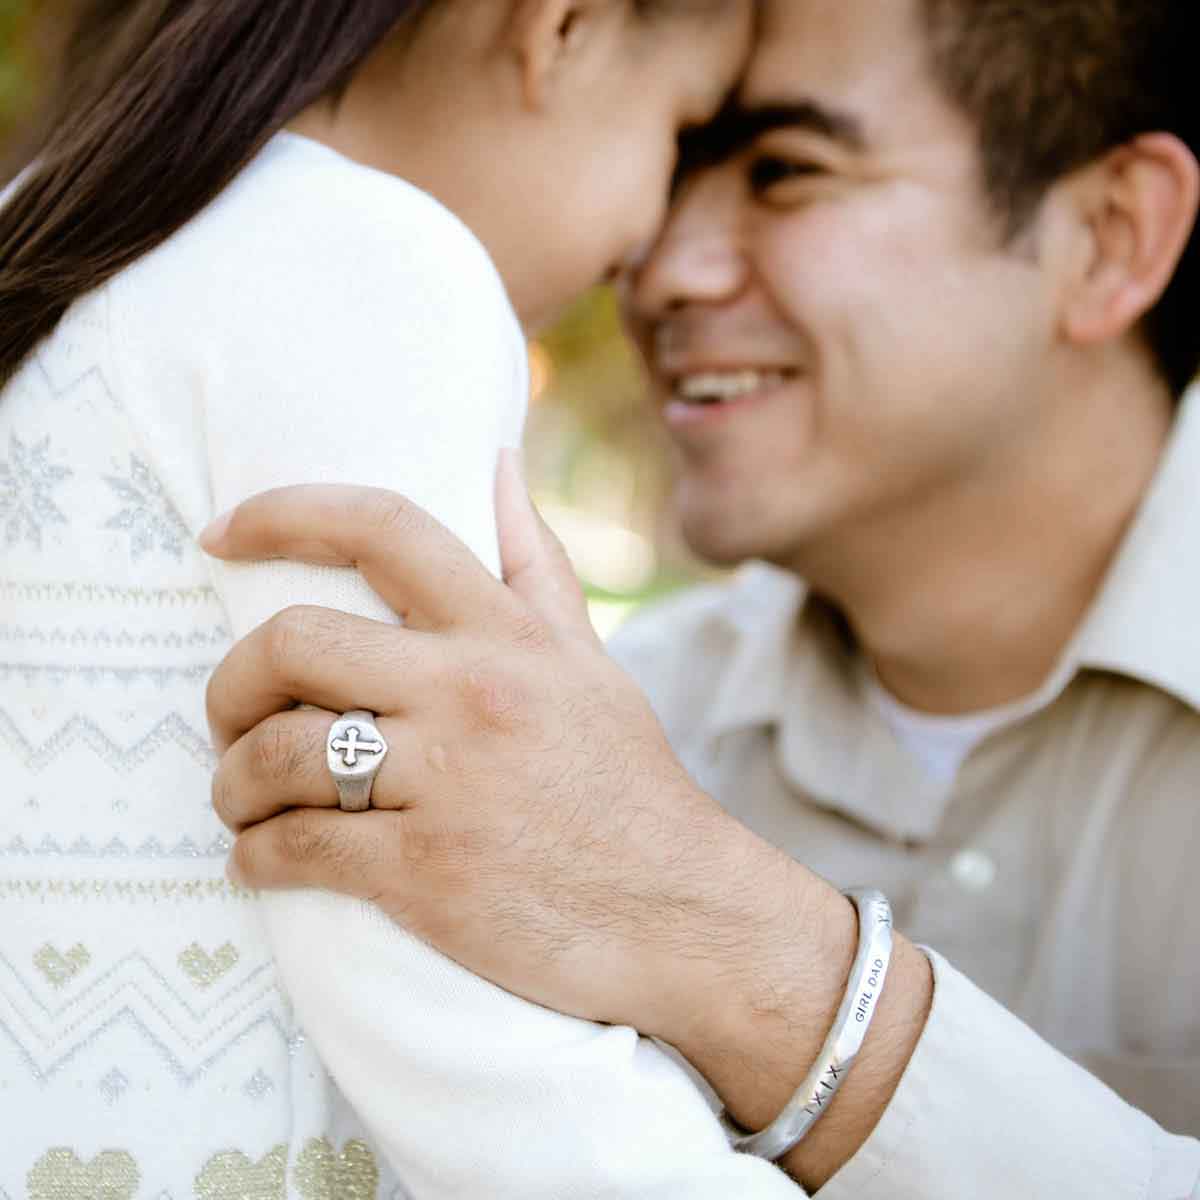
[531,820]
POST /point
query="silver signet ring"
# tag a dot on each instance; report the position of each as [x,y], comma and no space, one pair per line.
[355,751]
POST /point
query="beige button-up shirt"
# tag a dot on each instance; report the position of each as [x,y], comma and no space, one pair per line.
[1058,874]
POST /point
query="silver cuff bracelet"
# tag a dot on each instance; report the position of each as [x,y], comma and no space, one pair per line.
[844,1042]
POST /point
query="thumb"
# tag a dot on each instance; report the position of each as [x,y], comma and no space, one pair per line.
[534,564]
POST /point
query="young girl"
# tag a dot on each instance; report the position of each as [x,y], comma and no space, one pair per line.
[270,242]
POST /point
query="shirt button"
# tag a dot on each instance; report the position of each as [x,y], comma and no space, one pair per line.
[973,870]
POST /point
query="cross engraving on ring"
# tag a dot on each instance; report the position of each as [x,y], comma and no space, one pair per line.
[351,747]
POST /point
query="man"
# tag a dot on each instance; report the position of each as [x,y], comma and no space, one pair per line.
[921,327]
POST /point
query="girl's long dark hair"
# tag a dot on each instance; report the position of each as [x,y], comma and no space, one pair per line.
[165,101]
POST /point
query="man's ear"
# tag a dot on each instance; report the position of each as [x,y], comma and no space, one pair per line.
[543,33]
[1136,209]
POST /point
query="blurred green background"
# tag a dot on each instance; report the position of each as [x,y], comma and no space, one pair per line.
[20,64]
[594,453]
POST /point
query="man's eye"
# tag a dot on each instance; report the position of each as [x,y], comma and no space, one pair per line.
[768,172]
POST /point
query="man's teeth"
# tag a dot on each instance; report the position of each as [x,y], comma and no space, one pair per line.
[721,387]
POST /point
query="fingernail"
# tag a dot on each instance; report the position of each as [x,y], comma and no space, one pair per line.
[212,534]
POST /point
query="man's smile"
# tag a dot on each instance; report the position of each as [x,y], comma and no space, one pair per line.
[702,395]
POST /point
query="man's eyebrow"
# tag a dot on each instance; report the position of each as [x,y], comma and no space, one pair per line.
[737,126]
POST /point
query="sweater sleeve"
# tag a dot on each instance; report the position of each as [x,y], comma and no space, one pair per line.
[394,360]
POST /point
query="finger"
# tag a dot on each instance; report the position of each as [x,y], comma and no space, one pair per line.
[279,764]
[321,657]
[411,560]
[311,847]
[282,764]
[535,565]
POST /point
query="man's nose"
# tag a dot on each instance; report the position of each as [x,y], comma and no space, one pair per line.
[698,258]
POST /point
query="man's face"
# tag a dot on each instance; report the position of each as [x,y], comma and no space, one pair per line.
[838,335]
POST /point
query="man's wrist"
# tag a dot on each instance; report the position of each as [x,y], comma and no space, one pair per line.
[768,1007]
[767,1011]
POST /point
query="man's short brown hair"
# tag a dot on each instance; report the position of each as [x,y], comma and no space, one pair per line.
[1053,85]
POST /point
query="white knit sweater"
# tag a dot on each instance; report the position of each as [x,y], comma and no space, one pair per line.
[161,1033]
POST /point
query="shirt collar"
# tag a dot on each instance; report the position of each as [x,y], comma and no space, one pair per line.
[792,668]
[1146,620]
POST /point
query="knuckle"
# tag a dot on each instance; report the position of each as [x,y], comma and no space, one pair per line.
[289,637]
[301,838]
[388,513]
[274,755]
[492,699]
[451,853]
[223,800]
[217,695]
[531,634]
[245,859]
[329,851]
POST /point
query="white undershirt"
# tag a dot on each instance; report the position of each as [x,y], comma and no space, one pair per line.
[943,744]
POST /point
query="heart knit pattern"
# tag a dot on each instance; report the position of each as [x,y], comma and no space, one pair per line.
[59,968]
[204,969]
[60,1175]
[232,1176]
[323,1174]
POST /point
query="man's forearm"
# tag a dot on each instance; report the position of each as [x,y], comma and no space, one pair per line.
[763,1023]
